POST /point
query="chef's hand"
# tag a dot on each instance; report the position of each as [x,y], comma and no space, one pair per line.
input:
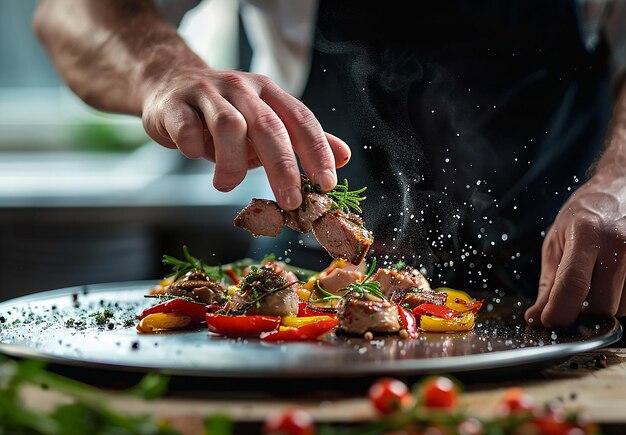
[241,121]
[583,263]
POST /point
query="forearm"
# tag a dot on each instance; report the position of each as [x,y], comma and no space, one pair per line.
[106,49]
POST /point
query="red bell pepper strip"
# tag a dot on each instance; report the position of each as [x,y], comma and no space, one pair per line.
[306,310]
[310,332]
[408,321]
[195,310]
[241,326]
[231,274]
[435,310]
[471,306]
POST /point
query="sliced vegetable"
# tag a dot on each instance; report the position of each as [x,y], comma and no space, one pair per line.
[464,322]
[408,321]
[389,395]
[163,321]
[310,332]
[435,310]
[516,400]
[297,322]
[232,275]
[241,326]
[460,301]
[194,310]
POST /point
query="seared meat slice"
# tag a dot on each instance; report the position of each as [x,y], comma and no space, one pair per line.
[279,268]
[415,296]
[264,292]
[313,206]
[391,280]
[337,279]
[343,235]
[198,286]
[358,315]
[261,217]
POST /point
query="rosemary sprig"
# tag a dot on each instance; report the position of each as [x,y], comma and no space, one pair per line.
[365,285]
[190,264]
[327,296]
[345,199]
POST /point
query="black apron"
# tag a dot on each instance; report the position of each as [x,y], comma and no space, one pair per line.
[470,123]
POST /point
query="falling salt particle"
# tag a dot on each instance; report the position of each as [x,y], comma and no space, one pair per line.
[554,336]
[493,243]
[543,234]
[514,207]
[467,187]
[586,304]
[332,109]
[597,326]
[432,111]
[504,237]
[478,183]
[531,320]
[373,126]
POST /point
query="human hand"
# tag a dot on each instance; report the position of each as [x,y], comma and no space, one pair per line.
[583,265]
[240,121]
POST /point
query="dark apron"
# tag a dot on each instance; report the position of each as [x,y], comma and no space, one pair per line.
[470,124]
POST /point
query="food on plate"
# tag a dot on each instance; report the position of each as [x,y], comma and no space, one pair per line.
[267,300]
[331,216]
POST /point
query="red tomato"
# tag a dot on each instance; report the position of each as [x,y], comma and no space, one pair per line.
[516,400]
[290,422]
[389,395]
[553,423]
[439,392]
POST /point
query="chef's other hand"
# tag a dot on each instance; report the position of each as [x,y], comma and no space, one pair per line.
[583,263]
[239,120]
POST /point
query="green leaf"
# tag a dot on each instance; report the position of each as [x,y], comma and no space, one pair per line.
[151,386]
[218,425]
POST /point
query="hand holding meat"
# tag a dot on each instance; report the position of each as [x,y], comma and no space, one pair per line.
[340,231]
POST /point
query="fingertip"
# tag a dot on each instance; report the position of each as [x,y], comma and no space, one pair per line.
[289,198]
[326,179]
[341,150]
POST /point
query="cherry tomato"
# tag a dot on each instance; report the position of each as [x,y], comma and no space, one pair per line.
[290,422]
[516,400]
[389,395]
[439,392]
[553,423]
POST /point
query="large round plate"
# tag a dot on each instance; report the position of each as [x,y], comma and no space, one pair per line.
[61,326]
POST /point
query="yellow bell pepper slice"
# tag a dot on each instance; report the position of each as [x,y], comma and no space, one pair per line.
[458,300]
[465,322]
[163,321]
[296,322]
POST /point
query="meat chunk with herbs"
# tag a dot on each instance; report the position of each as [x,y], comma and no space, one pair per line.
[264,292]
[199,287]
[261,217]
[343,235]
[391,280]
[359,314]
[338,279]
[313,206]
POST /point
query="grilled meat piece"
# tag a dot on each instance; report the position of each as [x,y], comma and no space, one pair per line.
[261,217]
[358,315]
[337,279]
[198,286]
[416,296]
[391,280]
[259,295]
[313,206]
[343,235]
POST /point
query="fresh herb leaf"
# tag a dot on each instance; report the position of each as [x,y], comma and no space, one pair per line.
[326,296]
[190,264]
[345,199]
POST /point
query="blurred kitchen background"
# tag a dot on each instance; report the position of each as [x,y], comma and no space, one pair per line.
[86,197]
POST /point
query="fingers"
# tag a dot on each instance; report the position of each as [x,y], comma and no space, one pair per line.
[230,140]
[183,126]
[551,254]
[306,134]
[340,150]
[573,277]
[272,144]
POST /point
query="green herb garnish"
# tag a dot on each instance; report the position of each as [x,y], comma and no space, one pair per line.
[190,264]
[361,287]
[345,199]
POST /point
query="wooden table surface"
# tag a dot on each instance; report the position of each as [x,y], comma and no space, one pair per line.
[579,383]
